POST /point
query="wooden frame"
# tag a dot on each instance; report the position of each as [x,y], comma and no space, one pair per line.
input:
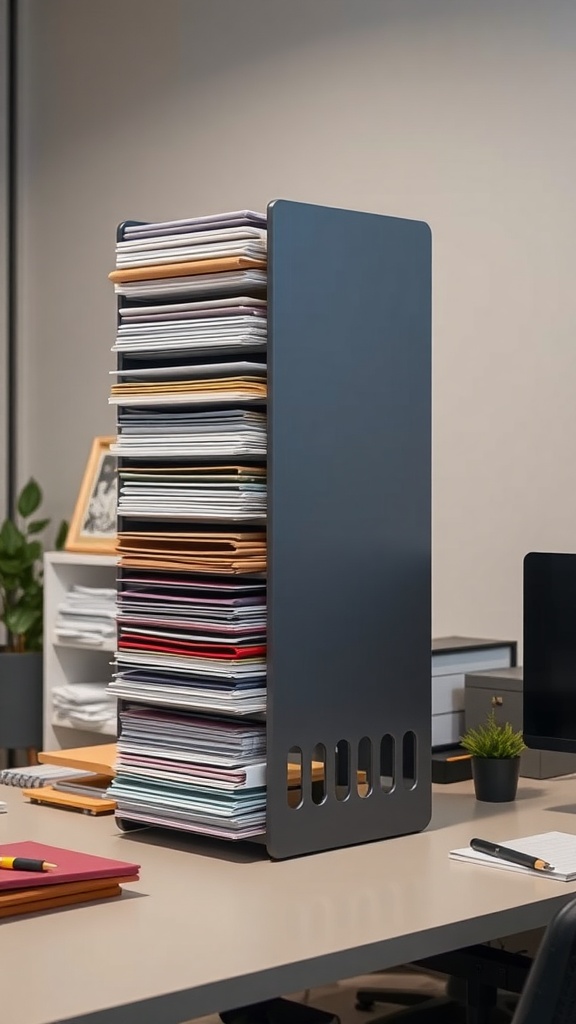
[93,524]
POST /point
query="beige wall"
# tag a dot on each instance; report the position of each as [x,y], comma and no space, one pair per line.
[455,111]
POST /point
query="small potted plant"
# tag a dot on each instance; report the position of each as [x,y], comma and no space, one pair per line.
[21,614]
[495,753]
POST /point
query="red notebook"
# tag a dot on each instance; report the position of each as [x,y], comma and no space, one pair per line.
[72,866]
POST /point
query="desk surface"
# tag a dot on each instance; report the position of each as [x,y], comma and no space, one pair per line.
[210,927]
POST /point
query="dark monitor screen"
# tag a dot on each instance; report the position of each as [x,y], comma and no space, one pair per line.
[550,651]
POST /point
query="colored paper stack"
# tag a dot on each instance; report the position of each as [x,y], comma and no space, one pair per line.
[191,388]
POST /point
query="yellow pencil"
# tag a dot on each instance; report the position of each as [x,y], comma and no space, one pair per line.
[25,864]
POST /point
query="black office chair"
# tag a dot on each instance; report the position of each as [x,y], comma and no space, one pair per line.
[549,995]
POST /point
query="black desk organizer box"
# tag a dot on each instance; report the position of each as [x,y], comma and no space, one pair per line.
[348,524]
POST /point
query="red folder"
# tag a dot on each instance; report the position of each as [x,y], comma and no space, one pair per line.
[72,866]
[226,653]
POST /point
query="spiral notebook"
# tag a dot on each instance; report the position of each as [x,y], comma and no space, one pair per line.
[33,776]
[558,848]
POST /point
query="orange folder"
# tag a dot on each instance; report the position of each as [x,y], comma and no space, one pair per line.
[37,894]
[191,267]
[61,901]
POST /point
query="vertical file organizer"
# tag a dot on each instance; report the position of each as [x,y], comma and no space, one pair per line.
[347,529]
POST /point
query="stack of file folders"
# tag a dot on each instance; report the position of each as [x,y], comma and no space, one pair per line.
[190,390]
[202,774]
[189,641]
[215,551]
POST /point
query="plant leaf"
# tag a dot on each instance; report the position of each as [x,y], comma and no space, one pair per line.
[33,551]
[19,620]
[38,525]
[11,539]
[61,535]
[29,499]
[10,567]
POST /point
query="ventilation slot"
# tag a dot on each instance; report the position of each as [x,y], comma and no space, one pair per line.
[342,770]
[409,760]
[387,756]
[294,777]
[318,774]
[364,777]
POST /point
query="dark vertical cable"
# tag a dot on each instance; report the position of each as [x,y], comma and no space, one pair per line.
[11,253]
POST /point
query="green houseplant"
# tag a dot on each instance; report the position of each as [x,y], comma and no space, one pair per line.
[495,748]
[21,614]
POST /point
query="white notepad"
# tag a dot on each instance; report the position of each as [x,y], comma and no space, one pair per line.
[558,848]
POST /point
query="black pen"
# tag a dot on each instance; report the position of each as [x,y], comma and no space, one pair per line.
[523,860]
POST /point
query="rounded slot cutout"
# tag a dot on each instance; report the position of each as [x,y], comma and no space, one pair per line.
[364,776]
[294,777]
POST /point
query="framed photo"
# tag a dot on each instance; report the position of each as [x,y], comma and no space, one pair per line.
[93,524]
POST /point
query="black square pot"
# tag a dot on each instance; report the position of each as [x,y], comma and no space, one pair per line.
[495,778]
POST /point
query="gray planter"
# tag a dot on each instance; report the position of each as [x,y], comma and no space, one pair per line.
[20,701]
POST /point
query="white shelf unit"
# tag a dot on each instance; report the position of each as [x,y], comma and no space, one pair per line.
[67,662]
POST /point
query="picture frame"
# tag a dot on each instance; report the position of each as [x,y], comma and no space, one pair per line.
[93,523]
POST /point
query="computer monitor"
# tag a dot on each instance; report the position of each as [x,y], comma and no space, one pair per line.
[550,651]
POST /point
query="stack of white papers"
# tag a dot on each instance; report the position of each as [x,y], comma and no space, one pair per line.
[221,432]
[197,493]
[193,327]
[87,615]
[205,774]
[192,245]
[231,282]
[213,221]
[85,706]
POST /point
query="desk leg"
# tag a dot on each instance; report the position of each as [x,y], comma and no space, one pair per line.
[480,1002]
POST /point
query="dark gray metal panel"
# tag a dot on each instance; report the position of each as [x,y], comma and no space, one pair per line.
[349,498]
